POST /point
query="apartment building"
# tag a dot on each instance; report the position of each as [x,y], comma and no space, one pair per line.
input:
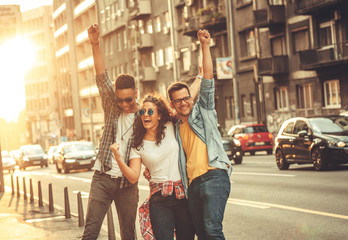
[40,91]
[291,58]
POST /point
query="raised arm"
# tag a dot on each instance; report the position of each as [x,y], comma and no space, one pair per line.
[204,39]
[93,35]
[131,172]
[194,88]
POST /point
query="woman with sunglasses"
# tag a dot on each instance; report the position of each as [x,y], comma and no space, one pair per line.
[154,144]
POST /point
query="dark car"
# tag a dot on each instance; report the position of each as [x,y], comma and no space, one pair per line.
[32,155]
[253,137]
[317,140]
[75,155]
[232,146]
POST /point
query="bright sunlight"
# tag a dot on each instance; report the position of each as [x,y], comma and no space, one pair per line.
[16,57]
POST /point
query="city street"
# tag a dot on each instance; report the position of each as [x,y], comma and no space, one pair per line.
[265,203]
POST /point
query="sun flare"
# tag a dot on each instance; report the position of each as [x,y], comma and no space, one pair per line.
[16,57]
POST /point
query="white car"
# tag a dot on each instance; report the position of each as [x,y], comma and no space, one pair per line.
[8,163]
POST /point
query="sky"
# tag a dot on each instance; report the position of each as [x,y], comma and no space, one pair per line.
[16,57]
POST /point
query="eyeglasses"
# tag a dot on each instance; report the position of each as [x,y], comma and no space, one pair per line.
[179,101]
[150,112]
[128,100]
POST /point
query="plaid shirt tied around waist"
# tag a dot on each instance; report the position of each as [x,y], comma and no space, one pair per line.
[166,188]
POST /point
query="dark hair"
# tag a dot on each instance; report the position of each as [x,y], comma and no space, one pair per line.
[124,81]
[175,87]
[163,110]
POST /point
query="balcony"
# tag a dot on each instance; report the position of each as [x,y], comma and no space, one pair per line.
[139,9]
[147,74]
[145,41]
[270,16]
[273,65]
[191,26]
[312,6]
[313,59]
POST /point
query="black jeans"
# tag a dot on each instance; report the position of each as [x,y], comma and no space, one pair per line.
[167,213]
[103,191]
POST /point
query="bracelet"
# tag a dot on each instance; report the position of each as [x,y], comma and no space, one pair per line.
[199,76]
[96,43]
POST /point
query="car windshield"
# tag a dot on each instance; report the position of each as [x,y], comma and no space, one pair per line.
[53,149]
[325,125]
[78,147]
[5,155]
[255,129]
[33,150]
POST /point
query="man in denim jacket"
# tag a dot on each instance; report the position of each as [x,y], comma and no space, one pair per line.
[204,165]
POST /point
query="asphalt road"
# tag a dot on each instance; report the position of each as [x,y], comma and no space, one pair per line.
[265,203]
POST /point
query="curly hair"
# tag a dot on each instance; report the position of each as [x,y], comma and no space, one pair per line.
[163,110]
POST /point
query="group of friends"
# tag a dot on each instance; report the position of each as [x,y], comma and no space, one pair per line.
[179,144]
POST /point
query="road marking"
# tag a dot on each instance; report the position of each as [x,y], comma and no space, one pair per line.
[43,219]
[263,174]
[270,205]
[58,176]
[236,202]
[80,179]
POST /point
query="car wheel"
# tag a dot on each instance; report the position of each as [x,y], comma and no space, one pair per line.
[269,151]
[238,160]
[281,160]
[252,153]
[58,169]
[319,162]
[66,170]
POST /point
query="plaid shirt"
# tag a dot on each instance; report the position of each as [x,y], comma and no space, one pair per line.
[111,114]
[166,188]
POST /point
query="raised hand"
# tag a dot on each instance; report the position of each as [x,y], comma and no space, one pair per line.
[93,34]
[203,36]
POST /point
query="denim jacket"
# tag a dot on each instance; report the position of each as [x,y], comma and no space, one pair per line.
[203,122]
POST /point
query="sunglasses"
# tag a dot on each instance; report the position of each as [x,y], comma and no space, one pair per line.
[128,100]
[150,112]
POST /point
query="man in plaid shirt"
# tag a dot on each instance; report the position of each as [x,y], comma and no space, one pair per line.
[108,183]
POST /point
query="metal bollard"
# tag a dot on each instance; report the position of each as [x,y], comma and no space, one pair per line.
[111,229]
[40,194]
[31,190]
[80,210]
[18,193]
[50,198]
[66,203]
[24,189]
[12,185]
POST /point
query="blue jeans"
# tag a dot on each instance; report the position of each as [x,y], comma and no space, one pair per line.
[208,196]
[167,213]
[103,191]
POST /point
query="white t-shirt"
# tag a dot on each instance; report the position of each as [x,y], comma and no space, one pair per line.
[124,132]
[163,160]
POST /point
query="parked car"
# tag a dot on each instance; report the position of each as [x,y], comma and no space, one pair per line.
[8,163]
[50,154]
[75,155]
[32,155]
[232,146]
[15,154]
[317,140]
[253,137]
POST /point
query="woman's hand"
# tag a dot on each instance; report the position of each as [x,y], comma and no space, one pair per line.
[115,148]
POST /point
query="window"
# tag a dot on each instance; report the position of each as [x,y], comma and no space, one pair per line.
[300,126]
[119,42]
[157,24]
[325,34]
[304,96]
[228,104]
[167,19]
[253,104]
[243,101]
[300,40]
[248,43]
[125,39]
[281,98]
[149,28]
[159,58]
[168,55]
[288,128]
[278,46]
[243,2]
[186,60]
[141,26]
[332,93]
[276,2]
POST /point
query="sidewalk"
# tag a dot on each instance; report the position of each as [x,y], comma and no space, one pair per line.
[20,219]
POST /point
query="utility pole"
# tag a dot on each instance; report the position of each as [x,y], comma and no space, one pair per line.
[2,182]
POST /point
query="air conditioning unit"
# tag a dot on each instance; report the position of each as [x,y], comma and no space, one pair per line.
[156,68]
[165,30]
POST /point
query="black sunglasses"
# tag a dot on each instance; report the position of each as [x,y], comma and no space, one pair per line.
[128,100]
[150,112]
